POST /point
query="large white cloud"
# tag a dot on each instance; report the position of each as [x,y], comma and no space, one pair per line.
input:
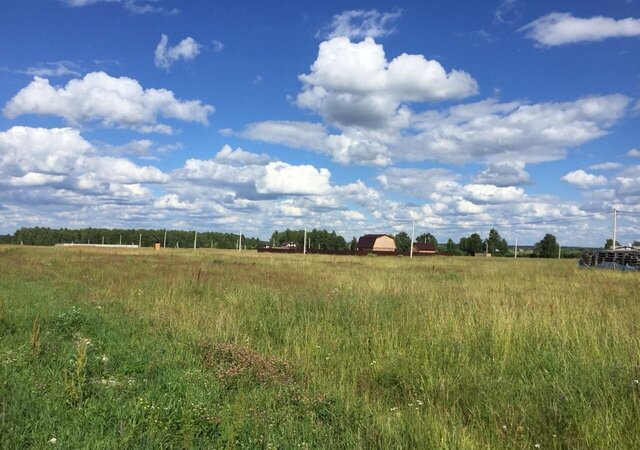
[354,84]
[47,151]
[165,56]
[120,102]
[61,157]
[249,175]
[498,132]
[511,133]
[283,178]
[365,101]
[583,179]
[488,193]
[563,28]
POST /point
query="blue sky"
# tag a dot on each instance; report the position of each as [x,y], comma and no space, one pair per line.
[353,116]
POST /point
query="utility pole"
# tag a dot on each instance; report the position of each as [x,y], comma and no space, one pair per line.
[102,240]
[559,250]
[164,245]
[486,248]
[140,241]
[120,239]
[195,240]
[515,255]
[240,241]
[413,233]
[304,242]
[613,244]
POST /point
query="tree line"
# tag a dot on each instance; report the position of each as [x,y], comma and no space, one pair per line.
[495,244]
[175,238]
[547,247]
[316,239]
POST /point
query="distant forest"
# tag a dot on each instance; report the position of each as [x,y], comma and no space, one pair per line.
[180,238]
[316,239]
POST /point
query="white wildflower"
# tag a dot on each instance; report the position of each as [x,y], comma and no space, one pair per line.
[53,440]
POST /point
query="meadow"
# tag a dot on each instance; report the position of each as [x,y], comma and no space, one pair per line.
[103,348]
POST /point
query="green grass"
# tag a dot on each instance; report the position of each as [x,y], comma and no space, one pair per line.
[216,349]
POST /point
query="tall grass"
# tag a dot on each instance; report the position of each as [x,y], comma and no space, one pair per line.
[244,350]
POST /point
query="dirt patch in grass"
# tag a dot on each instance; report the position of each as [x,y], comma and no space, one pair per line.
[235,364]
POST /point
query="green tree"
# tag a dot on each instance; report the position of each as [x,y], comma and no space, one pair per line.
[427,237]
[608,245]
[451,247]
[472,244]
[497,245]
[353,244]
[403,242]
[547,247]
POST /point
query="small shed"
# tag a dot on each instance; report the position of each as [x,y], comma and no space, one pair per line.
[426,248]
[376,243]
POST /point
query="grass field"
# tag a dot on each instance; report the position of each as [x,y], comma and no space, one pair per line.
[216,349]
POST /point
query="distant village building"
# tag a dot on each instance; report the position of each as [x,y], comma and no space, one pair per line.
[425,248]
[290,244]
[376,243]
[482,255]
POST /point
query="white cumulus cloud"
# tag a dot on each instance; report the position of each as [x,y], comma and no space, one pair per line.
[283,178]
[354,84]
[488,193]
[60,157]
[563,28]
[239,157]
[165,56]
[112,102]
[47,151]
[583,179]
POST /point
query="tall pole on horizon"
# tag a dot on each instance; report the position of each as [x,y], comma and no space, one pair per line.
[515,255]
[164,245]
[304,242]
[195,240]
[613,244]
[413,233]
